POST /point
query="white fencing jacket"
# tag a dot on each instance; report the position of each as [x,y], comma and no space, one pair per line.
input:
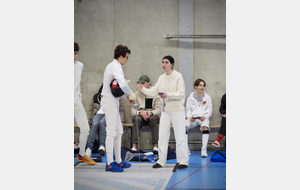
[114,71]
[198,109]
[78,69]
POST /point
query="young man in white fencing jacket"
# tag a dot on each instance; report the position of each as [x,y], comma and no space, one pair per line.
[79,112]
[110,103]
[198,111]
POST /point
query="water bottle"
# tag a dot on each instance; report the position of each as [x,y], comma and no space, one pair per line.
[150,156]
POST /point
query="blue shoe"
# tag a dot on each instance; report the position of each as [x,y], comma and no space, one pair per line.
[113,167]
[124,164]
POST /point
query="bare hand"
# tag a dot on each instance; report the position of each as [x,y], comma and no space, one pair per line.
[224,115]
[139,86]
[122,124]
[202,118]
[131,101]
[149,114]
[192,119]
[144,115]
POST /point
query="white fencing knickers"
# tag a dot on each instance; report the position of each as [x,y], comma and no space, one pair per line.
[114,129]
[82,122]
[197,122]
[177,119]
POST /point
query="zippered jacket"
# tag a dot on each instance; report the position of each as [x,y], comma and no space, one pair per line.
[198,109]
[140,99]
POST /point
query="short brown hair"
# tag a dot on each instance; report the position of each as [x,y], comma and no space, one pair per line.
[197,82]
[121,51]
[76,47]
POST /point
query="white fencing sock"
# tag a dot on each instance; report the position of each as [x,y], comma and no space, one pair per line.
[205,136]
[109,143]
[82,143]
[117,148]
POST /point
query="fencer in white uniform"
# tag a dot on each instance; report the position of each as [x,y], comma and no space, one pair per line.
[110,103]
[79,111]
[198,112]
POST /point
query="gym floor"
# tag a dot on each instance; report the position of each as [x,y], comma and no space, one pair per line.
[201,174]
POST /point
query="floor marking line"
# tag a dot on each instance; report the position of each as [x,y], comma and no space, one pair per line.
[190,175]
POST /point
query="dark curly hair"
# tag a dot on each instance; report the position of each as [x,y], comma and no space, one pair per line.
[121,51]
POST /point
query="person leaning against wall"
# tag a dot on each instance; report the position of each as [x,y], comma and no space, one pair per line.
[79,112]
[97,121]
[148,114]
[198,111]
[171,88]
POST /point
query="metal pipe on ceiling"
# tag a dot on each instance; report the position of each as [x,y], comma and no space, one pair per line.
[169,36]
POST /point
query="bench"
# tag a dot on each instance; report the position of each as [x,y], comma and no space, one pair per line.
[129,125]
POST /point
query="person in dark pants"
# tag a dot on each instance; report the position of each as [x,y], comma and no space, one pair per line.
[222,131]
[148,114]
[96,118]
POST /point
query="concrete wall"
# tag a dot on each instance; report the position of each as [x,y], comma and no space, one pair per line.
[100,25]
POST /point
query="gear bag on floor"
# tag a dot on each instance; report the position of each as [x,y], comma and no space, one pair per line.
[129,155]
[218,156]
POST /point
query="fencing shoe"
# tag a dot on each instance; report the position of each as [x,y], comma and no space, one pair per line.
[216,144]
[124,164]
[203,153]
[87,160]
[113,167]
[79,158]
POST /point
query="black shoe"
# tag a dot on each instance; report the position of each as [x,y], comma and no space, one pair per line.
[182,166]
[157,165]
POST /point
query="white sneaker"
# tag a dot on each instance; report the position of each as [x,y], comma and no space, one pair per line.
[203,153]
[101,150]
[133,149]
[76,145]
[216,144]
[155,149]
[88,152]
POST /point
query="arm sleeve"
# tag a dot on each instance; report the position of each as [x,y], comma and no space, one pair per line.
[179,94]
[209,109]
[156,106]
[133,111]
[119,76]
[152,91]
[121,110]
[188,109]
[222,109]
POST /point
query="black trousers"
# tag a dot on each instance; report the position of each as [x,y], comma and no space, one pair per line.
[152,122]
[222,130]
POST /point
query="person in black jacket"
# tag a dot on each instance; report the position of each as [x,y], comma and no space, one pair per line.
[222,131]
